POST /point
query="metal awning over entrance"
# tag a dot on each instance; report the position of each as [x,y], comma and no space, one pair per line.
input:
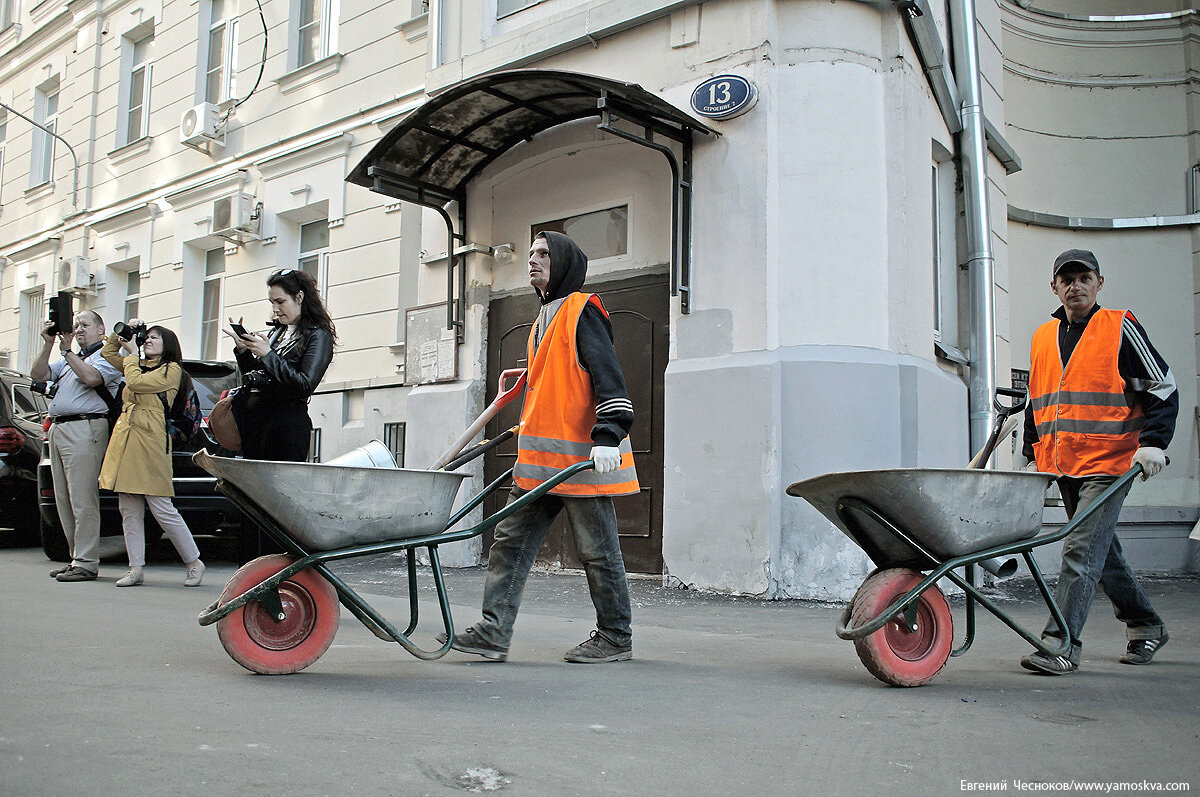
[431,156]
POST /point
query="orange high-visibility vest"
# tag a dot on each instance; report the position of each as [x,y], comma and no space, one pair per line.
[560,411]
[1087,424]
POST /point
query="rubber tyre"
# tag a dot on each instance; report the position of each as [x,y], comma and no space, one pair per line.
[893,654]
[256,641]
[54,541]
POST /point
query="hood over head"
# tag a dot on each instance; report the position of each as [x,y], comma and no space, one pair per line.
[568,267]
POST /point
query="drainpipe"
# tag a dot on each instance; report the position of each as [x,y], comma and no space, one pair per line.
[980,261]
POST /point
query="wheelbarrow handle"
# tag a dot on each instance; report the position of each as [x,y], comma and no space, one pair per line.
[479,448]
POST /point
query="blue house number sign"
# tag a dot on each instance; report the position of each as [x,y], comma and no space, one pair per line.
[724,97]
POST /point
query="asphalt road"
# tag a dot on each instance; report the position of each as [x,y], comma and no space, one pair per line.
[120,691]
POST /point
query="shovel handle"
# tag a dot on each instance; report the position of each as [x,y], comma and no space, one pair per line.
[503,396]
[1021,399]
[507,394]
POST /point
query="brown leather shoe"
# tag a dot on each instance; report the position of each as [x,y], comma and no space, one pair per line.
[76,574]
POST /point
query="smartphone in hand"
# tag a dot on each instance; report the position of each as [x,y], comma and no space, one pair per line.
[238,328]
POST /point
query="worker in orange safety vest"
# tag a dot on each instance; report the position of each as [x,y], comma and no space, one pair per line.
[576,408]
[1101,399]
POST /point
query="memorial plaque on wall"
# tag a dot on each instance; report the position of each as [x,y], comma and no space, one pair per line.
[430,350]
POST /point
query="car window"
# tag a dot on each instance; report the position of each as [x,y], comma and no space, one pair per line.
[26,403]
[210,383]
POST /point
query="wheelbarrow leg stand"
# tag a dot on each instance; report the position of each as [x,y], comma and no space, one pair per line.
[969,636]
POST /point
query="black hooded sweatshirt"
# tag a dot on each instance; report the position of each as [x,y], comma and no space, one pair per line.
[593,341]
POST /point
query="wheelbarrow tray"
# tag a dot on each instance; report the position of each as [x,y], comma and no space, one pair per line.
[950,512]
[326,507]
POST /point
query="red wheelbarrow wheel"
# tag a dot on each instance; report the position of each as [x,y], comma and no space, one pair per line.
[257,641]
[896,654]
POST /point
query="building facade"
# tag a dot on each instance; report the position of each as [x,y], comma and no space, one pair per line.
[808,311]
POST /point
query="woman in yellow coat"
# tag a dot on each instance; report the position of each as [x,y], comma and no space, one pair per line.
[137,464]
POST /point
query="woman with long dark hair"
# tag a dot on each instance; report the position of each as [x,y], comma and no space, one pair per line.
[280,371]
[137,464]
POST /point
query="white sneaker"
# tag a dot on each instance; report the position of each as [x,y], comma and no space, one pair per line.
[194,575]
[131,579]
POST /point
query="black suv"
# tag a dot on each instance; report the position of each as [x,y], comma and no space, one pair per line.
[21,415]
[203,508]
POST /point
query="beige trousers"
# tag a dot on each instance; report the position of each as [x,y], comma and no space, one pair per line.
[76,451]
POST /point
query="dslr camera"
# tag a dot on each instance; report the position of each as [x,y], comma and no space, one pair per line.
[45,389]
[129,332]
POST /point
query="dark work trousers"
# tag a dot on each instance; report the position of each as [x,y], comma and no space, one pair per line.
[274,428]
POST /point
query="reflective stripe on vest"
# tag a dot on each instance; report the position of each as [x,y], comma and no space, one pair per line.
[560,411]
[1087,423]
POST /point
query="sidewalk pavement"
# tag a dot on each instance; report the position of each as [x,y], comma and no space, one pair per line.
[110,690]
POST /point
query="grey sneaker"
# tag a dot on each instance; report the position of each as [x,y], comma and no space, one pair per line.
[469,641]
[1141,651]
[598,649]
[58,571]
[76,574]
[1049,665]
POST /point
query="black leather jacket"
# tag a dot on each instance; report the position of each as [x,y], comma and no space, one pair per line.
[290,371]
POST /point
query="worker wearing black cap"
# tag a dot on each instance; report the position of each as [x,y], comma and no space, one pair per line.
[1101,399]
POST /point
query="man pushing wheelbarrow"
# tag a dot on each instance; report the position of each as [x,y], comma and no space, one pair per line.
[1101,400]
[576,409]
[1101,408]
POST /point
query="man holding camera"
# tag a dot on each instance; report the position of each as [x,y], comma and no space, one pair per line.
[78,436]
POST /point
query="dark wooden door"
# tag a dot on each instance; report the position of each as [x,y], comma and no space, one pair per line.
[640,313]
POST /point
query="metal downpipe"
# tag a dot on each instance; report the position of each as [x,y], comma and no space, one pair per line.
[980,260]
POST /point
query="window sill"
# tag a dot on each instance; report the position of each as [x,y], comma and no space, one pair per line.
[415,29]
[298,78]
[40,190]
[10,36]
[45,9]
[130,151]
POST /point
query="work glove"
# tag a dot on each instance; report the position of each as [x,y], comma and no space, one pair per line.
[1151,459]
[607,458]
[1032,467]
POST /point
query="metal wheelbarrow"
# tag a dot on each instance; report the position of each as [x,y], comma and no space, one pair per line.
[279,613]
[918,525]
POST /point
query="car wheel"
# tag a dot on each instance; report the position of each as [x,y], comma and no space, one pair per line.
[54,542]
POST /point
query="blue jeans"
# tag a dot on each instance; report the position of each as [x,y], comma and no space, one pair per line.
[1092,555]
[518,537]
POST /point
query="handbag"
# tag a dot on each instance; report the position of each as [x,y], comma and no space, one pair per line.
[223,424]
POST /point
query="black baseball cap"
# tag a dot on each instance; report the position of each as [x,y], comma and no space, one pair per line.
[1078,257]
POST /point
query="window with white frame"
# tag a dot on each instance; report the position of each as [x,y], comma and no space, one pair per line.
[943,228]
[218,50]
[136,61]
[3,139]
[314,248]
[315,31]
[33,316]
[506,7]
[210,320]
[133,292]
[45,111]
[600,233]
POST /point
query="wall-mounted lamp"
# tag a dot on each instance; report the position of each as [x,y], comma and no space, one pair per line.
[503,253]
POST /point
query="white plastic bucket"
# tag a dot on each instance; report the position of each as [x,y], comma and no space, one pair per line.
[372,455]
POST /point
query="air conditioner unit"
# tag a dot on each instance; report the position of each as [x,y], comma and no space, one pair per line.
[234,218]
[199,125]
[75,275]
